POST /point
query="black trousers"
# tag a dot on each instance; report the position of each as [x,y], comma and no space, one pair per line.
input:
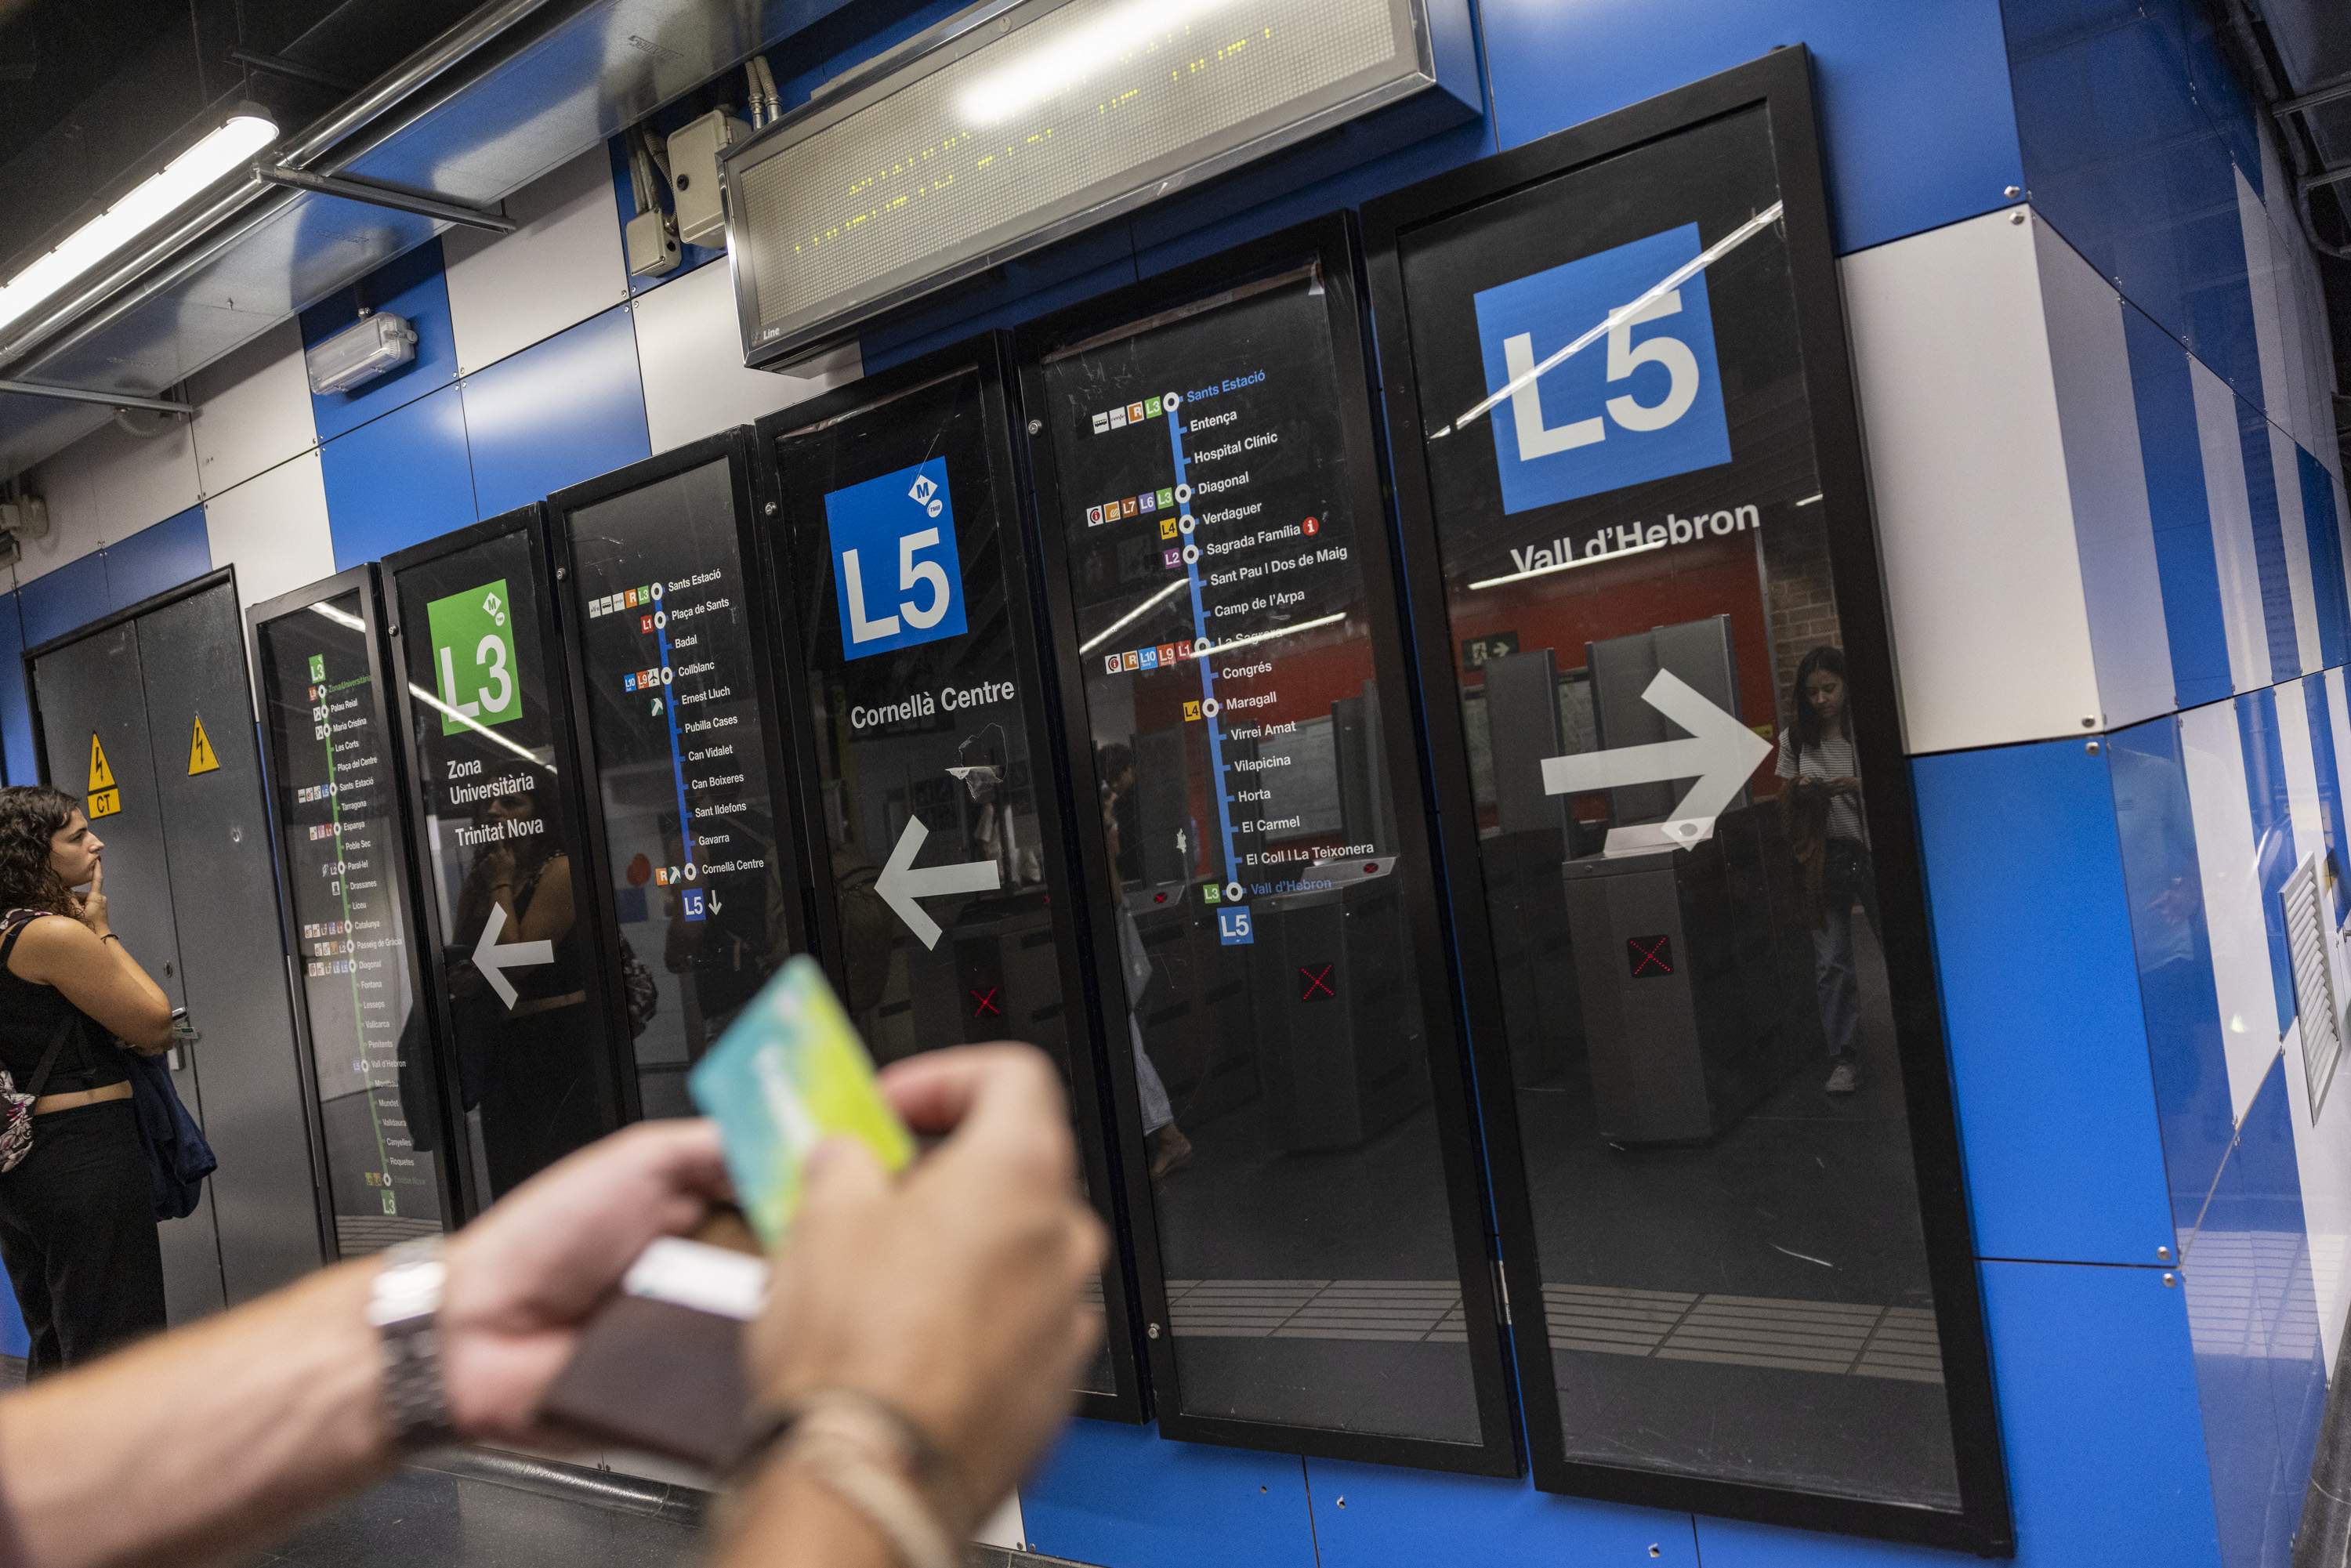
[78,1233]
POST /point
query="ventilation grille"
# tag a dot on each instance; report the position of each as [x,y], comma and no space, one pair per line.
[2314,981]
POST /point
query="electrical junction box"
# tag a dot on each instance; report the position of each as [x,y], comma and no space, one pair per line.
[693,150]
[652,249]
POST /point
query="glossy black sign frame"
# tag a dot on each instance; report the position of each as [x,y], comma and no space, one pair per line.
[368,583]
[734,448]
[1782,84]
[546,608]
[988,358]
[1331,244]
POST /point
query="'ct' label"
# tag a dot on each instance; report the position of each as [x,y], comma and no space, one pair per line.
[104,798]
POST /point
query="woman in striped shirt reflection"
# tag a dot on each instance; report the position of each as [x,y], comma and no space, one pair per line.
[1822,802]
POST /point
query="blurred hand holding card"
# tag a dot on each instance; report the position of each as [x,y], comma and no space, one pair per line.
[789,1073]
[661,1367]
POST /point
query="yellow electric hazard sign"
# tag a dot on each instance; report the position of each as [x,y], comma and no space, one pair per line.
[105,800]
[200,752]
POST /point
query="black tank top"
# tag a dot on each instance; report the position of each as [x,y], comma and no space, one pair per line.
[30,1015]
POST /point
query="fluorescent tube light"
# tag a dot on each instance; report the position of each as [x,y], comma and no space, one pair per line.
[155,198]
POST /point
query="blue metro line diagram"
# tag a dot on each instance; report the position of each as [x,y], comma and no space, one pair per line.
[1232,918]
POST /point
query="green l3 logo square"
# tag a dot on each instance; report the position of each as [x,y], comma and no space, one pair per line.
[473,655]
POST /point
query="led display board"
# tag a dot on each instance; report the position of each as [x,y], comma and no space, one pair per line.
[1018,120]
[1677,827]
[1309,1241]
[335,794]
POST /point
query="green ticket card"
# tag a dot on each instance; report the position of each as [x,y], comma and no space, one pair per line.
[790,1072]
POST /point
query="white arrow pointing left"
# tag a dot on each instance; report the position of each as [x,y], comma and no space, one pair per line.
[900,884]
[1718,755]
[493,960]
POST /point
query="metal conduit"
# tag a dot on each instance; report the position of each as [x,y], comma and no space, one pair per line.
[387,92]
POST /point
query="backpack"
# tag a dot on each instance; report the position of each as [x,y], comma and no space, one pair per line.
[17,1104]
[178,1158]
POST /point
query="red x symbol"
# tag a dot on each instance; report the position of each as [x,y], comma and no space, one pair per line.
[983,1003]
[1649,955]
[1314,982]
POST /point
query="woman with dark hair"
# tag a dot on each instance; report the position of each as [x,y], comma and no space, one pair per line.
[77,1216]
[1823,802]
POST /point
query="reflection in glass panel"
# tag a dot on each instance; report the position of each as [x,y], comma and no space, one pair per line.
[695,840]
[331,754]
[1675,859]
[1269,987]
[501,842]
[921,724]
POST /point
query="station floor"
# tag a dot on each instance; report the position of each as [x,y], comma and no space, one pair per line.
[429,1516]
[1757,1305]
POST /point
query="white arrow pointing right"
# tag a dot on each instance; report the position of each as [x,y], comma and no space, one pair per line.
[1718,755]
[900,883]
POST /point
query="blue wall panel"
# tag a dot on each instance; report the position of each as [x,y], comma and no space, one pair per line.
[2048,1041]
[2177,507]
[2269,795]
[16,700]
[399,480]
[2291,1329]
[2252,1315]
[560,411]
[2327,590]
[412,287]
[1016,292]
[171,553]
[56,601]
[2099,1419]
[1378,1516]
[2233,1385]
[1116,1494]
[2269,543]
[14,1341]
[2173,945]
[2121,157]
[1915,105]
[2320,710]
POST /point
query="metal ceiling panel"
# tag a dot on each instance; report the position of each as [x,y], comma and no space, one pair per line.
[31,428]
[605,70]
[476,139]
[295,253]
[2313,40]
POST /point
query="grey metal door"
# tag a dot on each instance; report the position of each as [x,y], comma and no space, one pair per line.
[233,975]
[91,697]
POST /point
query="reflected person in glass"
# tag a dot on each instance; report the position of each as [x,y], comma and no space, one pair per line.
[1821,803]
[1165,1143]
[525,1061]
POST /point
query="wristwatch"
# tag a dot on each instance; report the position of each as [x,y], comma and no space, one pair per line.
[404,1304]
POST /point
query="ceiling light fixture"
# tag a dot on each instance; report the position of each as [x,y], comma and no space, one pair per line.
[230,146]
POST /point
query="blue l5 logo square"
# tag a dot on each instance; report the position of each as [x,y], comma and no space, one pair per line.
[1643,402]
[895,574]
